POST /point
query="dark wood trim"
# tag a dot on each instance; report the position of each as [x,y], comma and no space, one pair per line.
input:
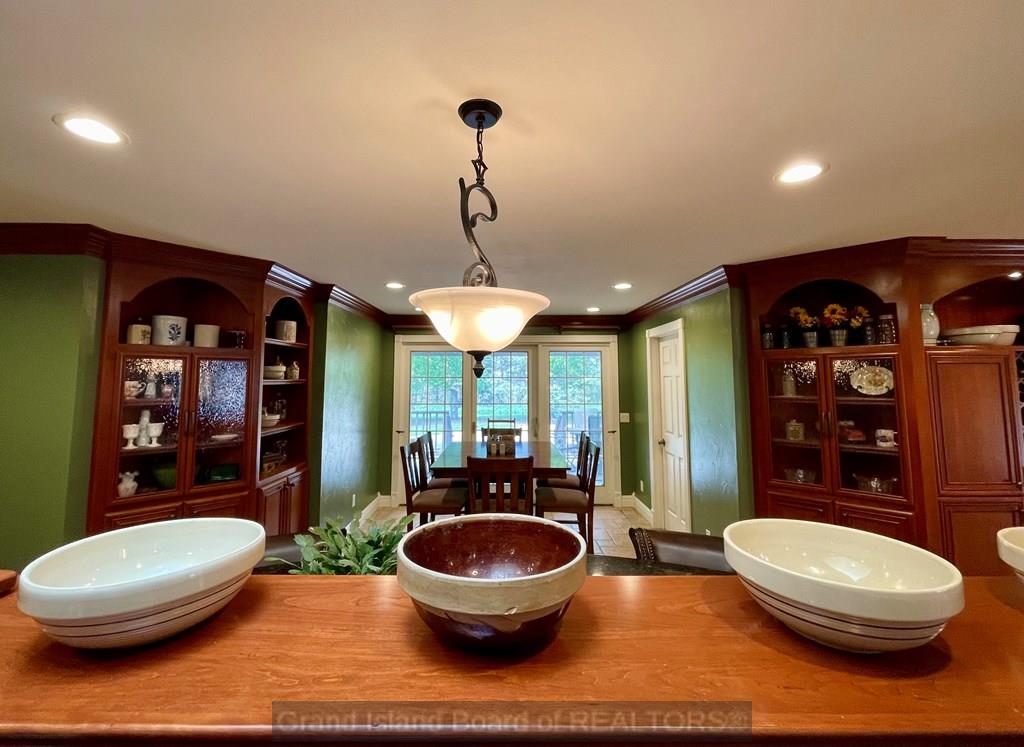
[288,280]
[711,281]
[54,238]
[561,322]
[334,294]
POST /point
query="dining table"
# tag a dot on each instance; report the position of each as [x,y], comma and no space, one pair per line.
[548,460]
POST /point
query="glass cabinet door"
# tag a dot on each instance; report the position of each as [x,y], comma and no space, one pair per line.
[150,411]
[867,421]
[219,428]
[795,418]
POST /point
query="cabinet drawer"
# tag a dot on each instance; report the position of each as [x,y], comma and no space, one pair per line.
[142,515]
[782,506]
[896,524]
[223,505]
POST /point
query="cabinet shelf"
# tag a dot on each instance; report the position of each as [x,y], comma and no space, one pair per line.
[143,450]
[208,445]
[806,444]
[807,398]
[286,467]
[875,402]
[869,449]
[142,402]
[283,382]
[282,427]
[284,343]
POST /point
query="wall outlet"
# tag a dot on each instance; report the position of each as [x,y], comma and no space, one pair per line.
[353,500]
[707,532]
[641,486]
[623,417]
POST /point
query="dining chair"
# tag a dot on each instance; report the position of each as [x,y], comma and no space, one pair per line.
[420,499]
[573,481]
[504,427]
[574,501]
[508,483]
[429,458]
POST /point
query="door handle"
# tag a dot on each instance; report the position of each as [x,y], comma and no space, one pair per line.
[612,433]
[661,442]
[399,432]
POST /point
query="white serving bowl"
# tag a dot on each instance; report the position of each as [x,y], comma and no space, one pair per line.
[843,587]
[1010,545]
[141,583]
[989,334]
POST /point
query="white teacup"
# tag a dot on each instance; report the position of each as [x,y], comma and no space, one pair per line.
[155,431]
[885,438]
[130,433]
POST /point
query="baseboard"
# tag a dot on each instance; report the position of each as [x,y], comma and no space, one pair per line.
[639,506]
[379,504]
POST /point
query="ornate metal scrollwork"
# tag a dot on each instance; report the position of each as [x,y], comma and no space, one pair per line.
[482,271]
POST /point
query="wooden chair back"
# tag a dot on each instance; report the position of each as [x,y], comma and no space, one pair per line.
[581,452]
[413,468]
[588,479]
[428,441]
[426,457]
[511,479]
[504,427]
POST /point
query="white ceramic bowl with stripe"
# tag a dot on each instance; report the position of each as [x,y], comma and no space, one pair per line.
[1010,545]
[842,587]
[140,584]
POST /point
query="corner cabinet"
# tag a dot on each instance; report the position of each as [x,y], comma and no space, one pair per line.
[177,430]
[829,435]
[976,417]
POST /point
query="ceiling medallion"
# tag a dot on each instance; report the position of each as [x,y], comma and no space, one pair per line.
[478,317]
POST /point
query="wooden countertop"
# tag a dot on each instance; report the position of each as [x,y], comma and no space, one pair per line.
[647,638]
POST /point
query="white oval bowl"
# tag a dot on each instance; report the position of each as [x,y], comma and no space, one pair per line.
[844,587]
[1010,546]
[141,583]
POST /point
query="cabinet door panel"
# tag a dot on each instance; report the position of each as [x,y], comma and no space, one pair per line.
[144,515]
[969,534]
[976,437]
[297,504]
[806,509]
[896,524]
[273,506]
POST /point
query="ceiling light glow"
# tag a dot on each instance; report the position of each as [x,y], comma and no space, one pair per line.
[801,172]
[622,286]
[394,285]
[90,129]
[1015,275]
[593,309]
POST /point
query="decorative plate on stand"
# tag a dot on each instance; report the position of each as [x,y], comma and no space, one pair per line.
[872,380]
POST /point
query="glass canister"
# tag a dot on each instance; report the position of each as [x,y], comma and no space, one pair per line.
[886,329]
[870,331]
[794,430]
[767,337]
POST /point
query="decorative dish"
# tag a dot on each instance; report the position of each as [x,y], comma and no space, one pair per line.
[872,380]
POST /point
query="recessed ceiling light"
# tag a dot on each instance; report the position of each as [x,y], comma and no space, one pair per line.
[418,309]
[1016,275]
[394,285]
[622,286]
[90,129]
[593,309]
[801,172]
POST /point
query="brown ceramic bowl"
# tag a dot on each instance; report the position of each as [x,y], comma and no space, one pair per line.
[492,582]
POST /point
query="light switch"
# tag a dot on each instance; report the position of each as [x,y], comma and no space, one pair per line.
[623,417]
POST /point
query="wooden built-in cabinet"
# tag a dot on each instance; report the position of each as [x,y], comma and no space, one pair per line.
[205,401]
[955,476]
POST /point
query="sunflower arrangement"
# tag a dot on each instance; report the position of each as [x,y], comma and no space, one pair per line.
[835,316]
[858,316]
[802,318]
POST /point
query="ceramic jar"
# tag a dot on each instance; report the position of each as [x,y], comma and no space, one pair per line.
[285,329]
[128,485]
[169,330]
[929,324]
[139,334]
[206,336]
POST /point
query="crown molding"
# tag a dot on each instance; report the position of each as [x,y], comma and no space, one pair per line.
[724,276]
[54,238]
[338,296]
[979,251]
[288,280]
[561,322]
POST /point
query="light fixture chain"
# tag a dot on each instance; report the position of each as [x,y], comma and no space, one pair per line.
[478,163]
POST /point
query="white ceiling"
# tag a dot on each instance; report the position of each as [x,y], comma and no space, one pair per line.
[639,138]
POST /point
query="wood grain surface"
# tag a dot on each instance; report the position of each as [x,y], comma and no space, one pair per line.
[548,461]
[624,638]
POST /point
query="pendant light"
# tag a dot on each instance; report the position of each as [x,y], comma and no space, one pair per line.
[478,317]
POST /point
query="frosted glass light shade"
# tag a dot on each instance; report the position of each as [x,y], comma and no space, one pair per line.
[481,318]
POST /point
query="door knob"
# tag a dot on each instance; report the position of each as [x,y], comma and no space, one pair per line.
[661,442]
[399,432]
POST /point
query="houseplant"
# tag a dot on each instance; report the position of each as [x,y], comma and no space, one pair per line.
[808,325]
[336,550]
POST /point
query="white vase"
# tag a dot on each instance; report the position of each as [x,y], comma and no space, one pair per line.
[929,324]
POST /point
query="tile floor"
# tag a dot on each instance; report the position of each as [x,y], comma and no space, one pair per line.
[611,527]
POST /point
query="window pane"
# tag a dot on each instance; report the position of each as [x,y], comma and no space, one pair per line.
[575,403]
[435,397]
[503,392]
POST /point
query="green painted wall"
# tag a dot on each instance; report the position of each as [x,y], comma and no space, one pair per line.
[719,419]
[49,348]
[351,356]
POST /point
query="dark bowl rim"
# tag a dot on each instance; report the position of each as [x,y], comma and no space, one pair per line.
[469,580]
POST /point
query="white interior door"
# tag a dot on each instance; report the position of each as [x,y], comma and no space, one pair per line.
[670,452]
